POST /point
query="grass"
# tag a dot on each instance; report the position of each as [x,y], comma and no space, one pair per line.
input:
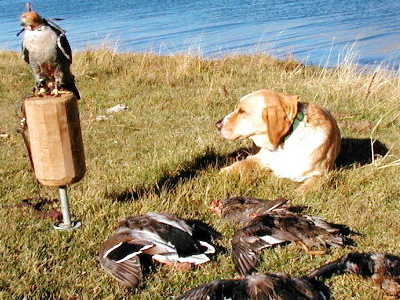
[163,155]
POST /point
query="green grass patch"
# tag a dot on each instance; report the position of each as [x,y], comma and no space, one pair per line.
[163,155]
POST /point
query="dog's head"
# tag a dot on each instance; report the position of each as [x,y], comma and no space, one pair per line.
[263,114]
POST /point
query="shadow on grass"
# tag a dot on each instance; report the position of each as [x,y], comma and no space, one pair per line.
[359,152]
[41,208]
[354,152]
[172,179]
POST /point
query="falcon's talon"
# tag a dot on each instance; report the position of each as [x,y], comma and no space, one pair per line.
[57,92]
[41,92]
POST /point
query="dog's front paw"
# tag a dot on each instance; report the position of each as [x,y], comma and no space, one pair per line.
[235,168]
[307,185]
[226,170]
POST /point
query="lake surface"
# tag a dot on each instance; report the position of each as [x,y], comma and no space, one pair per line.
[318,32]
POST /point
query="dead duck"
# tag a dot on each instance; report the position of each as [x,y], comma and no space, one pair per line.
[313,233]
[244,209]
[258,287]
[382,268]
[164,238]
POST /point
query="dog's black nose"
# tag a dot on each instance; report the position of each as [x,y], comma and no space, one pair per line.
[219,124]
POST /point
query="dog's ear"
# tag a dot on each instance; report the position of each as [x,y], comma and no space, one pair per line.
[279,116]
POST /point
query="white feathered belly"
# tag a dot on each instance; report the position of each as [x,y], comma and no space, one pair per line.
[164,252]
[294,160]
[41,44]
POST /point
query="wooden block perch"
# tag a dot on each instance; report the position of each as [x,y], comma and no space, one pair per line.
[55,138]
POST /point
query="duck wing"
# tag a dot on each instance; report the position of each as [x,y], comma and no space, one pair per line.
[170,220]
[218,290]
[244,258]
[259,287]
[202,231]
[169,233]
[128,273]
[243,209]
[387,272]
[188,238]
[343,230]
[284,287]
[261,233]
[311,231]
[174,239]
[356,262]
[262,206]
[120,258]
[382,268]
[309,289]
[390,262]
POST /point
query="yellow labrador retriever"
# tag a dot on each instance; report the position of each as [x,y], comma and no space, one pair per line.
[298,140]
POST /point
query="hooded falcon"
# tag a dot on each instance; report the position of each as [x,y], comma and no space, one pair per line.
[46,49]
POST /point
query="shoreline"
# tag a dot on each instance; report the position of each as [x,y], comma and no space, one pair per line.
[347,63]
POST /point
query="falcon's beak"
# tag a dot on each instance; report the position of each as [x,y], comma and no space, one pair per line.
[19,32]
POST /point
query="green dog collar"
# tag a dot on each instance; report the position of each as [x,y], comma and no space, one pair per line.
[296,122]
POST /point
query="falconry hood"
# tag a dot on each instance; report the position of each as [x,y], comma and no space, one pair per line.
[31,20]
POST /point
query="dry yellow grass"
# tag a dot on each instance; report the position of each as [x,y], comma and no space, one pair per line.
[163,154]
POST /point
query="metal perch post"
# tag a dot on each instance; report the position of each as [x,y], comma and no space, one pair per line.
[66,224]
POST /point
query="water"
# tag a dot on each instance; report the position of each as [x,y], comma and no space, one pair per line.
[318,32]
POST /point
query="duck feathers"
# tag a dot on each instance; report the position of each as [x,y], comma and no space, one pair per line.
[243,209]
[165,238]
[273,229]
[259,287]
[129,273]
[382,268]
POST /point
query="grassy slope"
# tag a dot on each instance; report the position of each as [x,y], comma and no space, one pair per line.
[163,155]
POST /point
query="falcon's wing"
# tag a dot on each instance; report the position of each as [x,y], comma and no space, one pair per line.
[64,47]
[25,53]
[62,42]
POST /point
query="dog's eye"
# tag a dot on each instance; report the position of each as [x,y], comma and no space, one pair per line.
[241,111]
